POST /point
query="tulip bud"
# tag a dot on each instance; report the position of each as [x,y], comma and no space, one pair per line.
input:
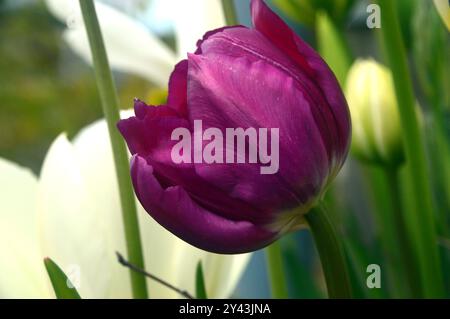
[262,86]
[375,117]
[443,7]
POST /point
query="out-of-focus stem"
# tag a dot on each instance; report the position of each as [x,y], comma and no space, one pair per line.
[402,235]
[110,104]
[422,218]
[275,271]
[229,11]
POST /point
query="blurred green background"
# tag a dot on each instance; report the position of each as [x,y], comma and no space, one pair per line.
[45,89]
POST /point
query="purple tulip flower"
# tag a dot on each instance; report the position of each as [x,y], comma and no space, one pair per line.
[239,77]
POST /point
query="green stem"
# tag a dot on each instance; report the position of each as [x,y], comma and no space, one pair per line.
[110,106]
[422,218]
[440,157]
[377,187]
[229,11]
[275,271]
[331,253]
[402,235]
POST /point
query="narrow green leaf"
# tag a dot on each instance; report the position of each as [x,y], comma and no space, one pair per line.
[333,47]
[200,289]
[61,284]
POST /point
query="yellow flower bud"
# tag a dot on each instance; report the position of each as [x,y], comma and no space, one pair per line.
[443,7]
[375,117]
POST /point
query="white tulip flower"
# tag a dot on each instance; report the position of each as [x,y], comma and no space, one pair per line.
[131,47]
[72,214]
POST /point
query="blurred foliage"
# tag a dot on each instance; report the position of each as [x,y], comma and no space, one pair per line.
[304,11]
[431,55]
[44,88]
[406,10]
[333,47]
[432,65]
[341,34]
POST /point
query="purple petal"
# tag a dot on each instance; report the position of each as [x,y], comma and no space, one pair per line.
[209,34]
[269,24]
[239,42]
[175,210]
[177,97]
[229,92]
[149,135]
[150,131]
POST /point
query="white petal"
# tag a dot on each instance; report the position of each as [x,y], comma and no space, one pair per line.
[443,8]
[193,19]
[21,267]
[166,256]
[222,272]
[83,226]
[130,46]
[62,9]
[159,245]
[72,228]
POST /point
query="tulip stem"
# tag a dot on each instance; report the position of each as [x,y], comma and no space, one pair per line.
[274,261]
[110,105]
[229,11]
[331,253]
[421,219]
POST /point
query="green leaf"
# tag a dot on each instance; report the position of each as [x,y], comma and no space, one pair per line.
[61,284]
[200,289]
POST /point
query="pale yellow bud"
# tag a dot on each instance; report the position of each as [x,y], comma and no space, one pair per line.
[443,7]
[375,117]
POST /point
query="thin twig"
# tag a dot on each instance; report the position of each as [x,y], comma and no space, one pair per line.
[127,264]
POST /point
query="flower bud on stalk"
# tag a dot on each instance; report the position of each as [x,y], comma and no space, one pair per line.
[443,7]
[375,117]
[264,78]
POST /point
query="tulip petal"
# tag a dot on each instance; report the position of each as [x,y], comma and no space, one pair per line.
[149,135]
[176,211]
[177,97]
[209,34]
[239,41]
[192,19]
[71,229]
[139,52]
[82,224]
[222,272]
[105,201]
[277,31]
[270,102]
[98,224]
[21,266]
